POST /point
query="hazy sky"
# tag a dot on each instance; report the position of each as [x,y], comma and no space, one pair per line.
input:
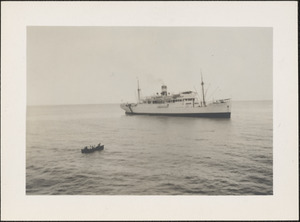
[92,65]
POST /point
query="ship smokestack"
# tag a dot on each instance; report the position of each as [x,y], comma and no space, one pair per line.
[164,90]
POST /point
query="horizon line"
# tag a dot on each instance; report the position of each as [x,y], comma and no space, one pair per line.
[78,104]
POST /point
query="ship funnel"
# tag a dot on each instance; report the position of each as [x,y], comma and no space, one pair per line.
[164,90]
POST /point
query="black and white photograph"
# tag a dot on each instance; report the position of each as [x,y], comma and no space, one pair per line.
[154,115]
[149,111]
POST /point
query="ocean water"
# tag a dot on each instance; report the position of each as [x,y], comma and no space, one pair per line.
[148,155]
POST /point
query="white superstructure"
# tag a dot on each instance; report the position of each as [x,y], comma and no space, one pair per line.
[180,104]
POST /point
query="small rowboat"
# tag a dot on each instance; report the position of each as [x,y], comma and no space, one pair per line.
[92,149]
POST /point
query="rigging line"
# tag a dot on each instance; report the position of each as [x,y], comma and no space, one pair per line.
[207,89]
[197,93]
[135,95]
[214,92]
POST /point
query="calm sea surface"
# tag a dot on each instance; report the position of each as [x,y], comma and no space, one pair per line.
[148,155]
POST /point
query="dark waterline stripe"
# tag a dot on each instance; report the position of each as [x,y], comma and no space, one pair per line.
[208,115]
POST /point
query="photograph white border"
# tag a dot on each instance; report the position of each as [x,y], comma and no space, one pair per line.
[17,16]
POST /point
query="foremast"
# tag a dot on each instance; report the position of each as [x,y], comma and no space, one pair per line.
[202,85]
[139,91]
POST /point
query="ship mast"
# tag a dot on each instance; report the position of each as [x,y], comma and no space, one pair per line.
[202,84]
[138,89]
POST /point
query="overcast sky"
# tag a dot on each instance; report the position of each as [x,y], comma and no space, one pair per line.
[94,65]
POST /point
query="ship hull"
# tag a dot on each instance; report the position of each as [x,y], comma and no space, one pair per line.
[205,115]
[212,110]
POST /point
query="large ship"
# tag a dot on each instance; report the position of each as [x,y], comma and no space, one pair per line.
[184,103]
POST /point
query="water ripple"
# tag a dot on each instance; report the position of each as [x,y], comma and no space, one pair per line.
[148,155]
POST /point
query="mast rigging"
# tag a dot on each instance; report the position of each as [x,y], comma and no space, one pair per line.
[202,84]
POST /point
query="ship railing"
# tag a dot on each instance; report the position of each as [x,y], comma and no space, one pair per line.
[219,100]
